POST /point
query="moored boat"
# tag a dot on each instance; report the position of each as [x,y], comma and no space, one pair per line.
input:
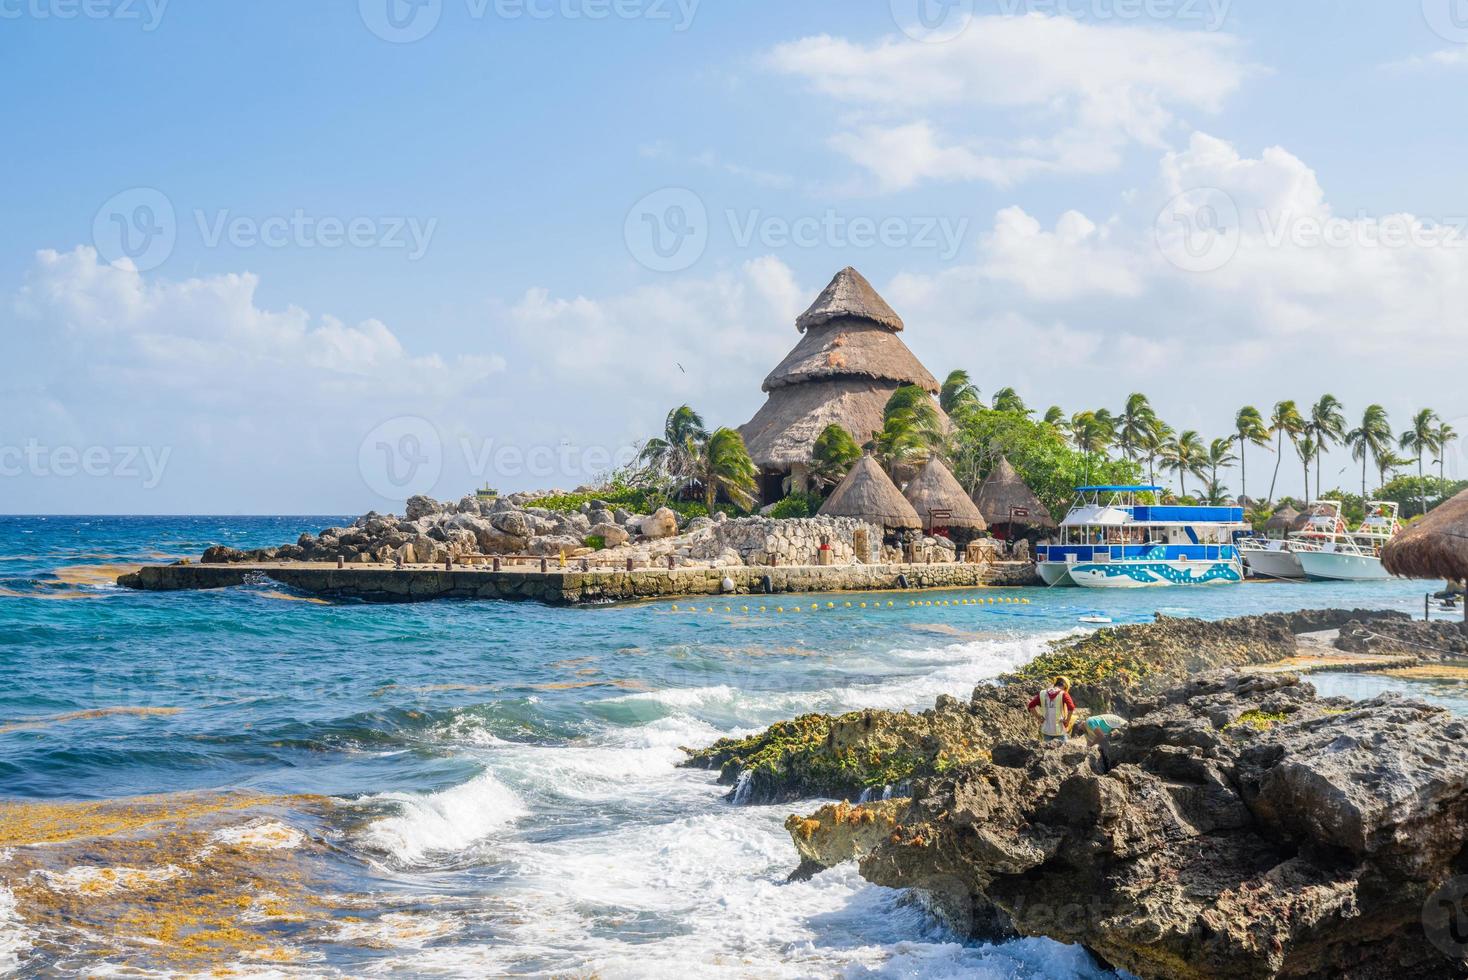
[1112,540]
[1347,556]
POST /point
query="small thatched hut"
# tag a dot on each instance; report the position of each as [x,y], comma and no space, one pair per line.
[845,367]
[869,494]
[1005,500]
[1283,521]
[941,502]
[1434,547]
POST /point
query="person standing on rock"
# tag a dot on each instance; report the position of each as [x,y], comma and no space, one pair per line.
[1055,710]
[1098,730]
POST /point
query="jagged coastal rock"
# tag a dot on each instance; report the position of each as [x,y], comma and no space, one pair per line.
[1243,826]
[430,533]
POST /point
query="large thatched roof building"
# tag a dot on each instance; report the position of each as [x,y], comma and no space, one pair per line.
[941,502]
[847,364]
[869,494]
[1006,499]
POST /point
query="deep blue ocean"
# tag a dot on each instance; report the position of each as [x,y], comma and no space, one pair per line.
[501,778]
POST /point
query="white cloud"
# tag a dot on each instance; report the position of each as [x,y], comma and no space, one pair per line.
[1075,94]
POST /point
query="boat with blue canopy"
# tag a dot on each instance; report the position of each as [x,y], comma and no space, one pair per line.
[1115,537]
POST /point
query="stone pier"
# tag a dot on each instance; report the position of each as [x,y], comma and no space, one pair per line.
[570,586]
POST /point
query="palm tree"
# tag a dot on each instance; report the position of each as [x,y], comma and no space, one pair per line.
[1091,432]
[1370,441]
[1420,440]
[671,457]
[911,429]
[1389,463]
[1134,425]
[1306,447]
[1055,418]
[1008,400]
[1220,456]
[1159,437]
[1327,425]
[1184,454]
[722,464]
[1250,430]
[834,454]
[959,394]
[1443,437]
[1285,420]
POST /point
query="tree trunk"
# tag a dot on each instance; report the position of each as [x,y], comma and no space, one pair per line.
[1421,483]
[1278,458]
[1243,469]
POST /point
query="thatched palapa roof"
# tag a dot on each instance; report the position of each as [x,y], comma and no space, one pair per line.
[851,348]
[1434,547]
[1283,519]
[849,295]
[845,367]
[867,493]
[935,489]
[784,431]
[1003,492]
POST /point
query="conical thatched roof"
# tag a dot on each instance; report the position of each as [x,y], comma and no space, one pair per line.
[1434,547]
[851,349]
[868,494]
[849,295]
[1283,519]
[1003,492]
[935,489]
[783,433]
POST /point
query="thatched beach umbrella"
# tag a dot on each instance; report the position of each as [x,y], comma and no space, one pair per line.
[868,494]
[935,491]
[1434,547]
[1283,520]
[1004,498]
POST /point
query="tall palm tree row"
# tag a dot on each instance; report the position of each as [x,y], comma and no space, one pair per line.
[1220,456]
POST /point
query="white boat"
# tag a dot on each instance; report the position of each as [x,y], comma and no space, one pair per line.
[1109,540]
[1277,558]
[1353,556]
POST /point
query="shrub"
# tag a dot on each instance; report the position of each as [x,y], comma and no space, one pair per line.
[796,506]
[595,541]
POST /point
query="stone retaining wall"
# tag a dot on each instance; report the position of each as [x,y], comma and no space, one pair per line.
[569,587]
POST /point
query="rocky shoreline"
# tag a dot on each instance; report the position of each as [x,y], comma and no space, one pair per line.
[1247,826]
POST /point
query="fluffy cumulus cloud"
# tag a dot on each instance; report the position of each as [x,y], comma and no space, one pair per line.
[1229,279]
[282,410]
[1069,96]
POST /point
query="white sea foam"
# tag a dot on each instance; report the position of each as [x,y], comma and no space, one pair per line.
[264,835]
[85,879]
[447,821]
[15,940]
[398,930]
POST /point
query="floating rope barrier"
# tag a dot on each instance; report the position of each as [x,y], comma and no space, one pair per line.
[871,605]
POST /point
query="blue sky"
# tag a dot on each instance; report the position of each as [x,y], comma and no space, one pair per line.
[359,238]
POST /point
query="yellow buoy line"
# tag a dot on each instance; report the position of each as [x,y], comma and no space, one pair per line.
[829,606]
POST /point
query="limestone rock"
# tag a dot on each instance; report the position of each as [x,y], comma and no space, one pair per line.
[420,506]
[662,523]
[612,536]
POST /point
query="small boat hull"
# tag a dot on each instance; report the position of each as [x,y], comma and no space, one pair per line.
[1334,566]
[1054,572]
[1274,563]
[1154,574]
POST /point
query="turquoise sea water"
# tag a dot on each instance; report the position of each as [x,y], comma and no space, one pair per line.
[504,797]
